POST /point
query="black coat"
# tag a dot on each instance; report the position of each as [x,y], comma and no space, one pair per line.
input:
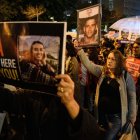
[45,118]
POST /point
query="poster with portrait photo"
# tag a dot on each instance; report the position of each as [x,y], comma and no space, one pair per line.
[124,34]
[88,26]
[134,35]
[32,53]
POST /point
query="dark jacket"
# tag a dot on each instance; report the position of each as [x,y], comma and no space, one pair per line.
[45,117]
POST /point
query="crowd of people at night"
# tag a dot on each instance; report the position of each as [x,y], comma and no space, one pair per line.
[98,94]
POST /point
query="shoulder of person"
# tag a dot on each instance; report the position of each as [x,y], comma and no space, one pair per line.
[128,77]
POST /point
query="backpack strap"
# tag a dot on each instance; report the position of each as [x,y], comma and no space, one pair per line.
[138,98]
[125,75]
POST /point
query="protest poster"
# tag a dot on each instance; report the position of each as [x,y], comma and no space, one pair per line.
[32,53]
[88,26]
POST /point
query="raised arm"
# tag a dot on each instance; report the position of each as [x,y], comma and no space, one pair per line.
[83,125]
[90,65]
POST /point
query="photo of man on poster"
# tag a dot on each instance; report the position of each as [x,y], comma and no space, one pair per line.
[124,34]
[90,31]
[89,26]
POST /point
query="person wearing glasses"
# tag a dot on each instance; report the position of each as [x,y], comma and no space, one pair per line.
[133,62]
[115,98]
[133,66]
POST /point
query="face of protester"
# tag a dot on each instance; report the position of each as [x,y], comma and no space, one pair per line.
[136,50]
[111,61]
[37,52]
[90,28]
[75,43]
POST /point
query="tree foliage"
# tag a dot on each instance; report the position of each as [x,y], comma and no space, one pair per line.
[32,12]
[46,10]
[8,10]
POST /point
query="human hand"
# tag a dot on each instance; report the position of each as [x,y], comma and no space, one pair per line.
[66,93]
[65,88]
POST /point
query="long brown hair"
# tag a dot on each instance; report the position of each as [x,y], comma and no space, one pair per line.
[120,63]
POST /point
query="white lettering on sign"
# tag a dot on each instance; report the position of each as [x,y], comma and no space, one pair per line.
[8,63]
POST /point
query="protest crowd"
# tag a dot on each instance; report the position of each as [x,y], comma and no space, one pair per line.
[94,99]
[29,114]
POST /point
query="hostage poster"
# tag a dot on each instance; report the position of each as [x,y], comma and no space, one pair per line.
[31,54]
[88,26]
